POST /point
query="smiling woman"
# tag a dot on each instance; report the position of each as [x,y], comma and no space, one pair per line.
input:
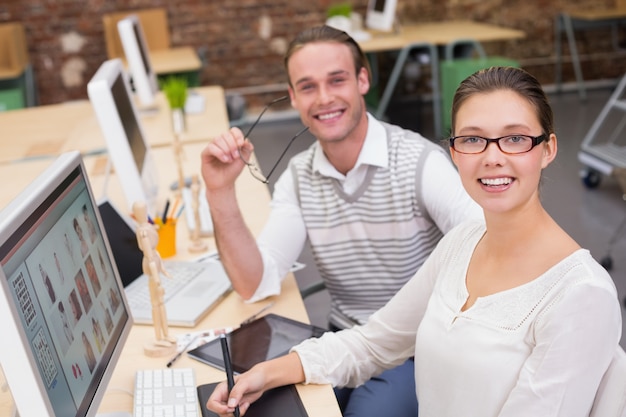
[505,185]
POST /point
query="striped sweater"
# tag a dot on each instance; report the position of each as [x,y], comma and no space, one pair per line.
[369,244]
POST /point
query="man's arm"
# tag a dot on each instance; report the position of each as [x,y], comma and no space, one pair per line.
[256,266]
[237,247]
[443,194]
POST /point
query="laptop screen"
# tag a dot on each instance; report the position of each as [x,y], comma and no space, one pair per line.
[123,241]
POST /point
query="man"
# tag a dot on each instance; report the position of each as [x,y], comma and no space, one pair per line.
[373,200]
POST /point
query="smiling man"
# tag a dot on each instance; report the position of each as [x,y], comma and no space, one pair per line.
[373,200]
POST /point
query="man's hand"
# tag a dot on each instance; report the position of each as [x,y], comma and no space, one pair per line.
[221,164]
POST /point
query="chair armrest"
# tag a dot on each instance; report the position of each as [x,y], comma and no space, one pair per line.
[312,289]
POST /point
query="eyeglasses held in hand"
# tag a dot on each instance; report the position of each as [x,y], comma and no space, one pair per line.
[253,167]
[511,144]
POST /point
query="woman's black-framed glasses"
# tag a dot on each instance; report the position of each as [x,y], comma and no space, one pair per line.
[511,144]
[253,167]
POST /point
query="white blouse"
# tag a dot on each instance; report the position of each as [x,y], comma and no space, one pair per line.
[539,349]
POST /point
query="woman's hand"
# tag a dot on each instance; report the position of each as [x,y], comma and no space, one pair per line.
[250,385]
[248,388]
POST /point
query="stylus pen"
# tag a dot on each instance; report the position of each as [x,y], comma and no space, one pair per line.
[228,367]
[183,350]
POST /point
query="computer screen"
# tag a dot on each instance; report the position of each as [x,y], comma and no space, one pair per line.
[144,78]
[64,314]
[381,15]
[110,96]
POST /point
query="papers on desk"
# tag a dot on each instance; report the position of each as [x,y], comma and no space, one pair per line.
[345,23]
[195,103]
[192,340]
[206,223]
[360,35]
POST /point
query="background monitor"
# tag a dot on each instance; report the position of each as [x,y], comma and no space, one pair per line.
[381,15]
[110,97]
[135,46]
[65,318]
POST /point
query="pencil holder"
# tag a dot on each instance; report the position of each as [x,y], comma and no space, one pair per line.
[167,239]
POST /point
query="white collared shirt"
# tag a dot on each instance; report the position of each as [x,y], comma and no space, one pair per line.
[284,235]
[374,152]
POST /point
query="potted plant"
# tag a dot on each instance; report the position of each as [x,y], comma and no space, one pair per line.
[175,90]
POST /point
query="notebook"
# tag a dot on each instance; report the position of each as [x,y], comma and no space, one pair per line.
[191,292]
[277,402]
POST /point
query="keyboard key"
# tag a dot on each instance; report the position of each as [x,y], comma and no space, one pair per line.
[181,273]
[166,393]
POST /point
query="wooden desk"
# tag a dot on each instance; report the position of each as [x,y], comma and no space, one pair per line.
[180,61]
[46,131]
[439,34]
[40,131]
[254,199]
[155,27]
[157,125]
[571,20]
[175,60]
[319,400]
[427,38]
[21,174]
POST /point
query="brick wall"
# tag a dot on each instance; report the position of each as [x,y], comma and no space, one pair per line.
[66,40]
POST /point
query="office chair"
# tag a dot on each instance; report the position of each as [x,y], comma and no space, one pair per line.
[312,289]
[16,70]
[153,21]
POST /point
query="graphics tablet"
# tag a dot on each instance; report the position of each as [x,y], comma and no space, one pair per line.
[266,338]
[277,402]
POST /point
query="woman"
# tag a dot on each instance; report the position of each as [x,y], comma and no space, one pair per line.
[506,318]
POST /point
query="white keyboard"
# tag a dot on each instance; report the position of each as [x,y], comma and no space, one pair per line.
[206,223]
[166,393]
[181,273]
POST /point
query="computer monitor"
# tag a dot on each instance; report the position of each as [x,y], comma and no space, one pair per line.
[135,46]
[65,318]
[381,15]
[129,151]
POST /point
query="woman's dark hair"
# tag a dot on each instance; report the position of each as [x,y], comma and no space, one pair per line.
[506,78]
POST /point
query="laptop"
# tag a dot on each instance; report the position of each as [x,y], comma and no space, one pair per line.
[193,289]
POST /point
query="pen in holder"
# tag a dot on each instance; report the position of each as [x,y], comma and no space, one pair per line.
[167,238]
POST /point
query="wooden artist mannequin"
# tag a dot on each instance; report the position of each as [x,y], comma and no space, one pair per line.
[178,157]
[147,239]
[197,244]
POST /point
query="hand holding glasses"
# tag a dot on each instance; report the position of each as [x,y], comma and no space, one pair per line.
[253,167]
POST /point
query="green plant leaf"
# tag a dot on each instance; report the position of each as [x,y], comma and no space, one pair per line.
[175,89]
[339,9]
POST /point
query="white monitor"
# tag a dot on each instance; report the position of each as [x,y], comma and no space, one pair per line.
[144,78]
[129,151]
[65,317]
[381,15]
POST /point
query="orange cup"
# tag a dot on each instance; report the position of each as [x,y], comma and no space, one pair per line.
[167,239]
